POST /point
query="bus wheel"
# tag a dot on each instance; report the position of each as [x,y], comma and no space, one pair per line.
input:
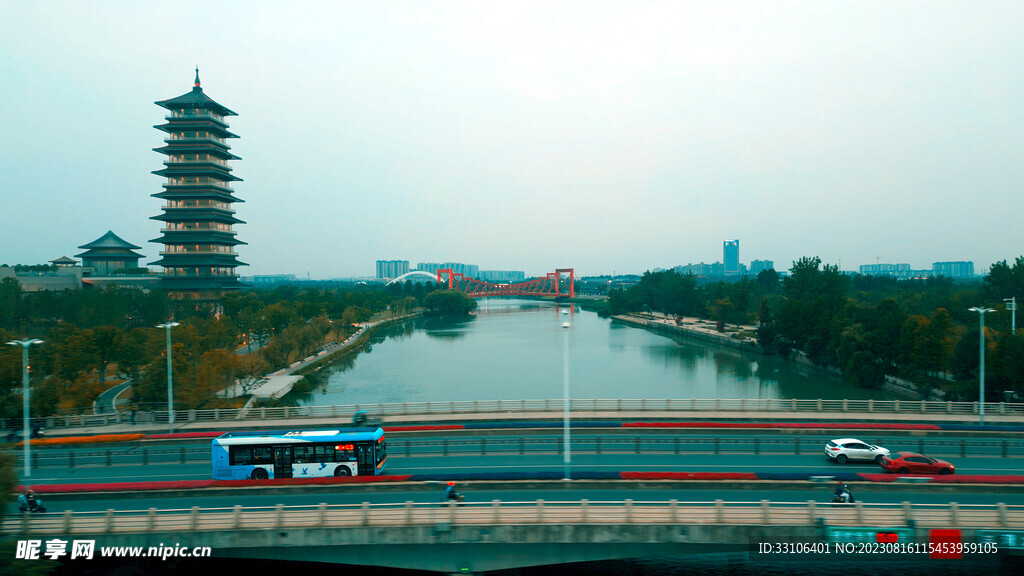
[259,474]
[342,471]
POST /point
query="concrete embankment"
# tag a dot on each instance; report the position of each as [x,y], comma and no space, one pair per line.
[691,328]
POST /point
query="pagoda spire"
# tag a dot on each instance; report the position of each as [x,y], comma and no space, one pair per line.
[197,85]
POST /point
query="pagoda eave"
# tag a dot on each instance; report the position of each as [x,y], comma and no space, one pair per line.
[217,173]
[191,214]
[190,148]
[194,126]
[198,237]
[192,261]
[181,192]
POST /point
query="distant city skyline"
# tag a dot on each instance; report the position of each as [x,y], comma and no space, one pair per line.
[530,136]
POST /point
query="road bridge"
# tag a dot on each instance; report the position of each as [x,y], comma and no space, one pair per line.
[397,413]
[560,283]
[500,535]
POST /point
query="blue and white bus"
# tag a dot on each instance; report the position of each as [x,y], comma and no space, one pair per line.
[299,454]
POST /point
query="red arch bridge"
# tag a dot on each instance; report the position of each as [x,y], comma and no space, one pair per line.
[561,282]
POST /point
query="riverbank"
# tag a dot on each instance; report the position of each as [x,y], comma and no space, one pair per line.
[320,360]
[694,328]
[276,385]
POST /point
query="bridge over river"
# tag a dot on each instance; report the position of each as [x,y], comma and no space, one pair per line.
[498,535]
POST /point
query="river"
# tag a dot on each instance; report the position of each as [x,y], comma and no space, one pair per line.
[514,349]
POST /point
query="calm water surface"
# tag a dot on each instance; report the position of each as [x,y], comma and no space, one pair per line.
[513,349]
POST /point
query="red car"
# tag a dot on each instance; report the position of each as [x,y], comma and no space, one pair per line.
[914,463]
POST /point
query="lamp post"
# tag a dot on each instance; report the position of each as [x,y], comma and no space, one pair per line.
[981,380]
[25,434]
[1011,305]
[567,453]
[170,379]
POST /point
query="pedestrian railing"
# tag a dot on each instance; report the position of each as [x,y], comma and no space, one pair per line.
[614,408]
[537,512]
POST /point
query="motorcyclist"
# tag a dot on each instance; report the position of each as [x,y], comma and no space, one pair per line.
[28,501]
[450,492]
[843,493]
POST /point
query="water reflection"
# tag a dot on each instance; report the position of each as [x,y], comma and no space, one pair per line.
[512,350]
[444,328]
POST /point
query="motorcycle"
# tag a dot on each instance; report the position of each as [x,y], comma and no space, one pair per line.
[842,499]
[31,505]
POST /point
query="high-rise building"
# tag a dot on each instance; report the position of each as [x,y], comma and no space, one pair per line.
[501,276]
[467,270]
[198,237]
[392,269]
[954,269]
[757,266]
[731,256]
[884,269]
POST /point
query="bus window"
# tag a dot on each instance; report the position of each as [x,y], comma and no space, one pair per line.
[240,455]
[303,454]
[262,455]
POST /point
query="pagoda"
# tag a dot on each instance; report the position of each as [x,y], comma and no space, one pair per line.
[198,256]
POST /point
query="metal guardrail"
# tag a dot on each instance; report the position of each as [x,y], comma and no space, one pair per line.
[582,443]
[537,512]
[342,412]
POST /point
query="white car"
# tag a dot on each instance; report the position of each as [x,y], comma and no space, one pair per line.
[844,449]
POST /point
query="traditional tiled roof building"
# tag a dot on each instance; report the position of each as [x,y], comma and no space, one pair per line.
[108,254]
[198,257]
[64,262]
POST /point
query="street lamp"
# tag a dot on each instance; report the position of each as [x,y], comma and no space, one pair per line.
[25,435]
[170,380]
[981,380]
[1011,305]
[567,453]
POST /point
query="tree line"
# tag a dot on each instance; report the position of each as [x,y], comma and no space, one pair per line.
[866,326]
[93,336]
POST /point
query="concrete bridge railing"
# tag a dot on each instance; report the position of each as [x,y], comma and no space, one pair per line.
[834,408]
[497,513]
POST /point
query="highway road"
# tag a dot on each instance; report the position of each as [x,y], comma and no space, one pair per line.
[502,451]
[811,464]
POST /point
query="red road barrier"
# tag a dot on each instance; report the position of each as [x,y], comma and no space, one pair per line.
[841,425]
[119,486]
[183,435]
[978,479]
[688,475]
[424,428]
[195,484]
[101,438]
[948,479]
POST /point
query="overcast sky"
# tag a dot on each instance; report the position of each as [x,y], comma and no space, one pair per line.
[618,136]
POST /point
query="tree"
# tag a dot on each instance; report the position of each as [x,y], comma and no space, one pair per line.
[1008,364]
[106,339]
[10,301]
[768,280]
[766,328]
[449,303]
[1004,281]
[965,360]
[859,363]
[216,371]
[810,314]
